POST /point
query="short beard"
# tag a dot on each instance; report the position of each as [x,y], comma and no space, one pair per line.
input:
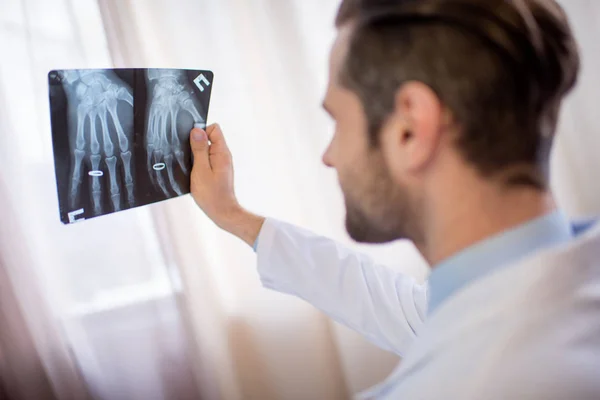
[364,230]
[381,212]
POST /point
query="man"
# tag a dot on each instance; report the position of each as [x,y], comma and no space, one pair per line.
[445,113]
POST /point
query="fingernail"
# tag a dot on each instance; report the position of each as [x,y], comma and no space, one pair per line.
[198,135]
[200,125]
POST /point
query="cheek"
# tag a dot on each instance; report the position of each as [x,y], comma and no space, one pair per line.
[349,145]
[353,167]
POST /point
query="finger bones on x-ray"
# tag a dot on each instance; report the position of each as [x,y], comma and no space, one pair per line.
[98,98]
[170,95]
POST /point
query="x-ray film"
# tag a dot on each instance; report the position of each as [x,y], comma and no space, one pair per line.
[121,136]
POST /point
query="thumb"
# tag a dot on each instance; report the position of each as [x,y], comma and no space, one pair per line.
[199,143]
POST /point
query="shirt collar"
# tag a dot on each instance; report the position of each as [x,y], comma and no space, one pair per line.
[491,254]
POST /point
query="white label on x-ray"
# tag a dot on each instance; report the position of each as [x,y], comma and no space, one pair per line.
[96,173]
[159,166]
[201,79]
[73,216]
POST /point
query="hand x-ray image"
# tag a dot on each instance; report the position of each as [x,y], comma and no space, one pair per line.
[120,136]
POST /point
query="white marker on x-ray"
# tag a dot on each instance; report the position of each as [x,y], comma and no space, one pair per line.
[199,80]
[159,166]
[73,216]
[96,173]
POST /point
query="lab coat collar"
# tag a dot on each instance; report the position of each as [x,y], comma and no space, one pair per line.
[493,253]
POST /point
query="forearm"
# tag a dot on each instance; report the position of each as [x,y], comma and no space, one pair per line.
[383,305]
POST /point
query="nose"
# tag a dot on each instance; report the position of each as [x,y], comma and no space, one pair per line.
[327,159]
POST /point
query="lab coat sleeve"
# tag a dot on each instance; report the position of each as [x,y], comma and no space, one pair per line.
[385,306]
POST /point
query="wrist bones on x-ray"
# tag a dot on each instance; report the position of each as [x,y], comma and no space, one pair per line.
[98,97]
[170,96]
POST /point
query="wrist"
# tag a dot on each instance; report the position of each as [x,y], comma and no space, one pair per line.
[243,224]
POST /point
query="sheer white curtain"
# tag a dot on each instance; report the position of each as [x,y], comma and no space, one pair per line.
[98,301]
[157,303]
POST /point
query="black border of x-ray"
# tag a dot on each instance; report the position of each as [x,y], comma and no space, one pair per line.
[61,150]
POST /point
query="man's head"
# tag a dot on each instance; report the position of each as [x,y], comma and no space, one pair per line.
[425,90]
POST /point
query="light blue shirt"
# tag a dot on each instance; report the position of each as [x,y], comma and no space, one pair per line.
[496,252]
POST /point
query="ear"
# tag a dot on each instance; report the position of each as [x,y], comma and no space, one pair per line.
[411,135]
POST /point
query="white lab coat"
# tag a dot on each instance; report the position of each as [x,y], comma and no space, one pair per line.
[526,331]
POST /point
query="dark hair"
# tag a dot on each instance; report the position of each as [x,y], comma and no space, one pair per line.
[502,68]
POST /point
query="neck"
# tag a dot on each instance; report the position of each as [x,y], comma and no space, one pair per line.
[472,215]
